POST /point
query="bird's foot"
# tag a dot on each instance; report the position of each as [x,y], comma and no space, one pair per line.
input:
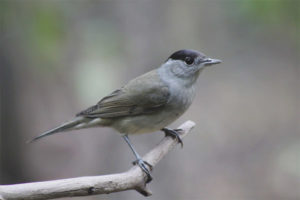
[174,134]
[142,164]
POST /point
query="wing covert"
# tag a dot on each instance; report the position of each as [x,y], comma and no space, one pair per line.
[143,95]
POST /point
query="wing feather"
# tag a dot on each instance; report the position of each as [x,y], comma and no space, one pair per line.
[143,95]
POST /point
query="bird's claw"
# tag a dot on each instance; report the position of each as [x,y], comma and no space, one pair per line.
[145,162]
[142,164]
[174,134]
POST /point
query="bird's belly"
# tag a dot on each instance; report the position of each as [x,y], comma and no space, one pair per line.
[145,123]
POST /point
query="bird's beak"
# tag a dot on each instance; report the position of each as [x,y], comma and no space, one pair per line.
[211,61]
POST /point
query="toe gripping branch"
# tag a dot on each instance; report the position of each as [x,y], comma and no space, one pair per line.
[142,164]
[174,133]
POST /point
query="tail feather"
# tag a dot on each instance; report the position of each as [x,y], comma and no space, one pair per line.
[64,127]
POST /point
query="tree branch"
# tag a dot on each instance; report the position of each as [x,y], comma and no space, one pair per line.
[133,179]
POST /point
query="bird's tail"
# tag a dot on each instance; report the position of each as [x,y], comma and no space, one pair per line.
[76,123]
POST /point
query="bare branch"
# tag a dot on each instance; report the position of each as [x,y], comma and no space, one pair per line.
[133,179]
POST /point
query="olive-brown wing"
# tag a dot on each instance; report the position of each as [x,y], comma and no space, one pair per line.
[139,96]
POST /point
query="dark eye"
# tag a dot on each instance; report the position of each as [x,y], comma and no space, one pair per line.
[188,60]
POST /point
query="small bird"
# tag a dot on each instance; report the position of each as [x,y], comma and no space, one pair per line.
[147,103]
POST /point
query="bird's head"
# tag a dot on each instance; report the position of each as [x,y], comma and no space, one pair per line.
[187,64]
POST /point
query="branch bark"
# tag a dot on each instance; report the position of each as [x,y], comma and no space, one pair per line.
[133,179]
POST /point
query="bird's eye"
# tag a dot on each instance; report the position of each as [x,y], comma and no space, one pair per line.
[188,60]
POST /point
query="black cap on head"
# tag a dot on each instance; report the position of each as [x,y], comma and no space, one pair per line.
[186,55]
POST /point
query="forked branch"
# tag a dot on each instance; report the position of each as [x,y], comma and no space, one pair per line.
[133,179]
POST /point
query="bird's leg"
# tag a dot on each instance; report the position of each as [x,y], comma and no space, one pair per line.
[139,161]
[173,133]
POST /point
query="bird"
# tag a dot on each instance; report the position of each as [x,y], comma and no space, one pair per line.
[147,103]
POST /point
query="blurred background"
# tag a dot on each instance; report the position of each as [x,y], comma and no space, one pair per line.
[59,57]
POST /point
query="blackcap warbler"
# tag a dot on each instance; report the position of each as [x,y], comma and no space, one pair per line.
[147,103]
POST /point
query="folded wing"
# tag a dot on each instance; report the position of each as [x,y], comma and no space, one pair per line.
[143,95]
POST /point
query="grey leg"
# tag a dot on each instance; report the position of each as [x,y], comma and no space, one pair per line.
[141,163]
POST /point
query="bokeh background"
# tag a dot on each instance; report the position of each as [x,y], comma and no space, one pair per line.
[59,57]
